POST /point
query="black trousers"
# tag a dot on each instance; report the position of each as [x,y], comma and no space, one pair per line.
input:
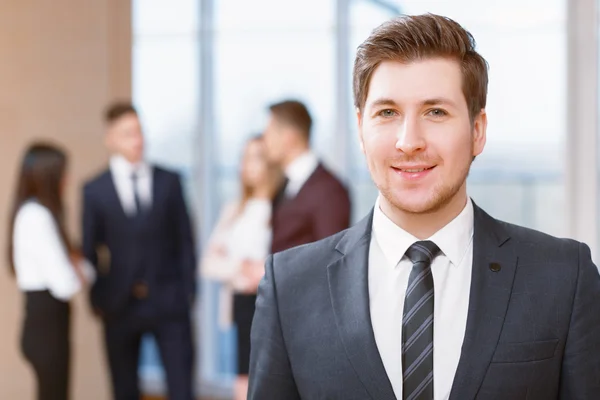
[243,313]
[174,339]
[45,343]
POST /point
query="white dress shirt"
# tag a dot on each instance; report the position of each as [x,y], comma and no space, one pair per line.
[40,257]
[122,173]
[298,172]
[389,271]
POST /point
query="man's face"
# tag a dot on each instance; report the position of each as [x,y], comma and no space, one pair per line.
[416,133]
[275,140]
[254,165]
[124,137]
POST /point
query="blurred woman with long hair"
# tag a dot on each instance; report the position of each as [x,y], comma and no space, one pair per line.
[238,247]
[49,270]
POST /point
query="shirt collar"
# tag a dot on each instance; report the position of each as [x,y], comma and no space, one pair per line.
[123,168]
[453,239]
[302,167]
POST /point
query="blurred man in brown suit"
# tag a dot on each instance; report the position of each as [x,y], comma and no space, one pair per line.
[313,203]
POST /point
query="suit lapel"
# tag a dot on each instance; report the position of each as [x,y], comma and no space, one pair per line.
[494,266]
[349,291]
[312,178]
[157,189]
[114,199]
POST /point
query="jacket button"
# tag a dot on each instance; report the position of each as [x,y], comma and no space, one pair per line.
[495,267]
[140,290]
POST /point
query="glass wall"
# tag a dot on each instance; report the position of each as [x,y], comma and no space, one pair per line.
[520,176]
[267,51]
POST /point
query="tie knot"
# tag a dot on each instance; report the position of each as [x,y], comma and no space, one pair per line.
[423,251]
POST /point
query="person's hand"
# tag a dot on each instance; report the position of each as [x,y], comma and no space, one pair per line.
[75,256]
[246,268]
[220,250]
[81,276]
[97,312]
[253,271]
[76,261]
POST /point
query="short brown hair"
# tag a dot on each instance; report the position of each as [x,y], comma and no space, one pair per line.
[117,109]
[294,113]
[410,38]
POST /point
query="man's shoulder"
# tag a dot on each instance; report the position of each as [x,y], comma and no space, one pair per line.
[311,257]
[326,180]
[529,235]
[97,181]
[534,245]
[166,172]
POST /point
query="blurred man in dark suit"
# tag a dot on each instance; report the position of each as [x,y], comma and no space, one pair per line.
[313,203]
[137,232]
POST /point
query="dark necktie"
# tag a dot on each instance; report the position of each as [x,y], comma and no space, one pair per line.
[417,324]
[136,194]
[280,196]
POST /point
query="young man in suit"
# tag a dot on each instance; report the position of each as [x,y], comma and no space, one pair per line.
[313,203]
[352,317]
[137,232]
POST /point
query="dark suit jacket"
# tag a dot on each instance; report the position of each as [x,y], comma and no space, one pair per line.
[157,249]
[533,328]
[320,209]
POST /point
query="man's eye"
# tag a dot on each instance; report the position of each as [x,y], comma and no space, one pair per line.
[437,112]
[387,113]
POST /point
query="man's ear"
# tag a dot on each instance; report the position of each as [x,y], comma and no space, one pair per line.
[359,120]
[479,132]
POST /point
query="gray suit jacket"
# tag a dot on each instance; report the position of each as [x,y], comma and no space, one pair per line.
[533,327]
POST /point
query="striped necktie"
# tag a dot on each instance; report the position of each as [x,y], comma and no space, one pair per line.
[417,324]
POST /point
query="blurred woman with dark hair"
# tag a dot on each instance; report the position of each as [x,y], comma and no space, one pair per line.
[238,248]
[48,268]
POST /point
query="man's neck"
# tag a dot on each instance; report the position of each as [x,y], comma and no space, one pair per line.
[424,225]
[263,192]
[294,155]
[133,163]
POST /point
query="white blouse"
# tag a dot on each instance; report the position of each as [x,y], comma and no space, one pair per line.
[236,237]
[41,258]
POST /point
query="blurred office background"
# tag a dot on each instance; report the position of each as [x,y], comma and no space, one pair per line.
[202,73]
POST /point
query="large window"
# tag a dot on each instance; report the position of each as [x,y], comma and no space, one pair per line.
[267,51]
[519,177]
[166,77]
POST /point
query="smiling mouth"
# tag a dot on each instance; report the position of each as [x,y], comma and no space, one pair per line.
[413,170]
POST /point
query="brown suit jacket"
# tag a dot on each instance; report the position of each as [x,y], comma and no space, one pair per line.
[320,209]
